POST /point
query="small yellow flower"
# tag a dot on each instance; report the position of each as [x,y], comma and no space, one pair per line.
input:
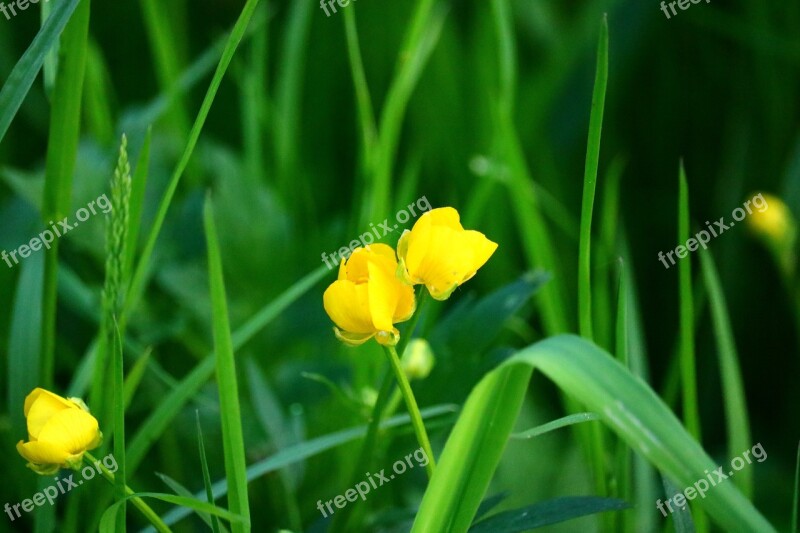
[368,299]
[60,431]
[439,253]
[771,219]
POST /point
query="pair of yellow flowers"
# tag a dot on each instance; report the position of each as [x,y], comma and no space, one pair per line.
[374,289]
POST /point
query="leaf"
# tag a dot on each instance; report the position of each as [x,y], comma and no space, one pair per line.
[555,424]
[230,410]
[547,513]
[21,79]
[626,404]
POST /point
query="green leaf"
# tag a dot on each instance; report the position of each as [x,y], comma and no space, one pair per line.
[737,421]
[554,425]
[206,473]
[232,434]
[547,513]
[593,377]
[590,184]
[21,79]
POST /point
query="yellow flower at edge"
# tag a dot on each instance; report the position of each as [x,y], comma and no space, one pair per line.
[772,219]
[60,431]
[368,299]
[439,253]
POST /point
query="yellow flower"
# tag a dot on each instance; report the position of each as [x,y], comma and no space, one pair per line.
[60,431]
[368,299]
[439,253]
[772,219]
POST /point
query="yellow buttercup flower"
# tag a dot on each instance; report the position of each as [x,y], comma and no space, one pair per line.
[439,253]
[772,218]
[368,299]
[60,431]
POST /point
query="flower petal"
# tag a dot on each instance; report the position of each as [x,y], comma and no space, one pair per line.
[42,453]
[72,430]
[40,407]
[347,305]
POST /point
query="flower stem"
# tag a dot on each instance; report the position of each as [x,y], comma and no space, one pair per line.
[137,502]
[411,404]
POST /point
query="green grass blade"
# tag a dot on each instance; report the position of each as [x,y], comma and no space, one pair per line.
[24,340]
[420,41]
[62,150]
[289,91]
[590,184]
[134,377]
[626,404]
[366,113]
[733,394]
[188,387]
[119,425]
[546,513]
[691,414]
[206,473]
[139,277]
[230,411]
[24,73]
[569,420]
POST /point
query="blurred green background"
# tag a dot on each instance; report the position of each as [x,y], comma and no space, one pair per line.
[716,86]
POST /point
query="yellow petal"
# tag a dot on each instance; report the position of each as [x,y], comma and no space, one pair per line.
[42,453]
[40,407]
[347,305]
[384,295]
[72,430]
[445,216]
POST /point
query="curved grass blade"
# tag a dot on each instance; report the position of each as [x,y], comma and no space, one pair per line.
[107,522]
[738,423]
[593,377]
[547,513]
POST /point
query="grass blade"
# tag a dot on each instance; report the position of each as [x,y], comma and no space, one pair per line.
[626,404]
[547,513]
[738,422]
[139,277]
[230,411]
[590,184]
[168,409]
[206,473]
[691,414]
[570,420]
[24,74]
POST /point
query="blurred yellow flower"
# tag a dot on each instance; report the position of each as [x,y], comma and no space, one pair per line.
[439,253]
[774,221]
[368,299]
[60,431]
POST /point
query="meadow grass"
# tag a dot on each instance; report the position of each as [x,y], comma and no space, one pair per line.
[576,383]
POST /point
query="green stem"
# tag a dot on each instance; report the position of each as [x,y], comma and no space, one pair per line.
[413,410]
[139,503]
